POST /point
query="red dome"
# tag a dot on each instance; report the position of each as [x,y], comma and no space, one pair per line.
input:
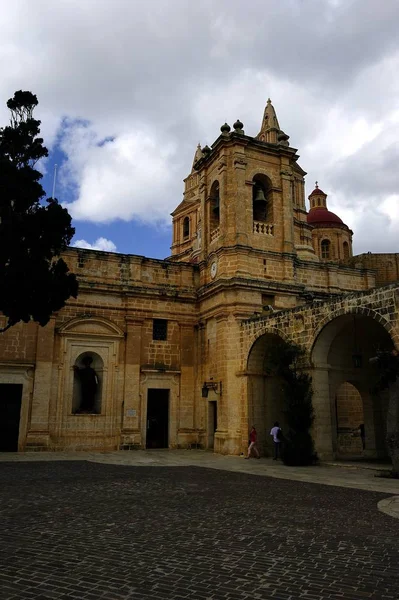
[322,216]
[317,191]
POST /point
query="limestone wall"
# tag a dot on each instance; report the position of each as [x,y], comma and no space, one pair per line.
[112,318]
[211,330]
[386,266]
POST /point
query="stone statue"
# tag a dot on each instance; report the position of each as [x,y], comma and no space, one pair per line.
[88,385]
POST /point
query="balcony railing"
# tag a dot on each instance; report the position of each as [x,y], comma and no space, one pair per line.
[263,228]
[215,234]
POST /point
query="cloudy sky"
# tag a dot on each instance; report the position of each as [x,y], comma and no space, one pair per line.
[127,88]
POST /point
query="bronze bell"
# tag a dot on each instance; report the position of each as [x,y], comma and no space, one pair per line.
[259,195]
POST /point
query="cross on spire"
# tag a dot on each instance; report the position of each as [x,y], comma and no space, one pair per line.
[317,185]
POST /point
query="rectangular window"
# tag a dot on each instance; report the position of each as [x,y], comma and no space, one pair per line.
[160,329]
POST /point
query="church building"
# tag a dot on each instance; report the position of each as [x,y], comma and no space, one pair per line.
[171,353]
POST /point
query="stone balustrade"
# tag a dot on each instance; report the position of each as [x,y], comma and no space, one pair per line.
[263,228]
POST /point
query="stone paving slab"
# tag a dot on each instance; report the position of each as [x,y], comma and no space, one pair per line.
[390,506]
[354,475]
[89,531]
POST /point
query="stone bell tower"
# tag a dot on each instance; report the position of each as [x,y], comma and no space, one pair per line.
[243,213]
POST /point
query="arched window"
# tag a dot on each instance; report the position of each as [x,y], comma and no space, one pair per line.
[186,227]
[87,387]
[346,250]
[325,249]
[261,205]
[215,206]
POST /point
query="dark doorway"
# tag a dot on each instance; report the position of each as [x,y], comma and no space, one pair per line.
[157,419]
[10,411]
[212,422]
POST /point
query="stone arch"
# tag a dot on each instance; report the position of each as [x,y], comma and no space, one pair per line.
[258,170]
[92,325]
[87,386]
[264,390]
[340,354]
[251,340]
[359,310]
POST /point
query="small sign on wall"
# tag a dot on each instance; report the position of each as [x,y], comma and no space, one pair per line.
[131,412]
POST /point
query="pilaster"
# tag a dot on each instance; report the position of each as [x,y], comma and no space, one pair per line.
[187,378]
[38,436]
[288,211]
[322,427]
[130,435]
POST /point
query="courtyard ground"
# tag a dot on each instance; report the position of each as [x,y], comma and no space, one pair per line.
[110,530]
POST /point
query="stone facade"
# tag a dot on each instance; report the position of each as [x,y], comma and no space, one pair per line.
[176,347]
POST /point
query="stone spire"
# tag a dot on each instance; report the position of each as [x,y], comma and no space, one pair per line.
[270,130]
[198,154]
[269,116]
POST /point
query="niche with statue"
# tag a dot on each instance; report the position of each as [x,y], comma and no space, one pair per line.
[87,384]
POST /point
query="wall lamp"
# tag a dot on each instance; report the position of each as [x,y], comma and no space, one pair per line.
[216,386]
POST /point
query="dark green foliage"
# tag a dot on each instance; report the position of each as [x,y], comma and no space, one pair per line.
[386,365]
[283,362]
[34,282]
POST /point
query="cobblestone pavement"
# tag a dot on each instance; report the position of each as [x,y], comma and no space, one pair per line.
[81,530]
[359,475]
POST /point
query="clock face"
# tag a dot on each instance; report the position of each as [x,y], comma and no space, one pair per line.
[214,269]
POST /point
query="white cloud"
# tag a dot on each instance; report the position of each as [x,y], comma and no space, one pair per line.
[100,244]
[123,178]
[157,76]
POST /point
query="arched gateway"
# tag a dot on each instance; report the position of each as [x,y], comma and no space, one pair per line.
[265,400]
[338,339]
[350,415]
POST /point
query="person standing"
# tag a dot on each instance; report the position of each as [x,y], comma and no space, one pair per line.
[277,435]
[252,443]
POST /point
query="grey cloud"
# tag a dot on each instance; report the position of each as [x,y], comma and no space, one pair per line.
[98,57]
[178,69]
[369,173]
[374,232]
